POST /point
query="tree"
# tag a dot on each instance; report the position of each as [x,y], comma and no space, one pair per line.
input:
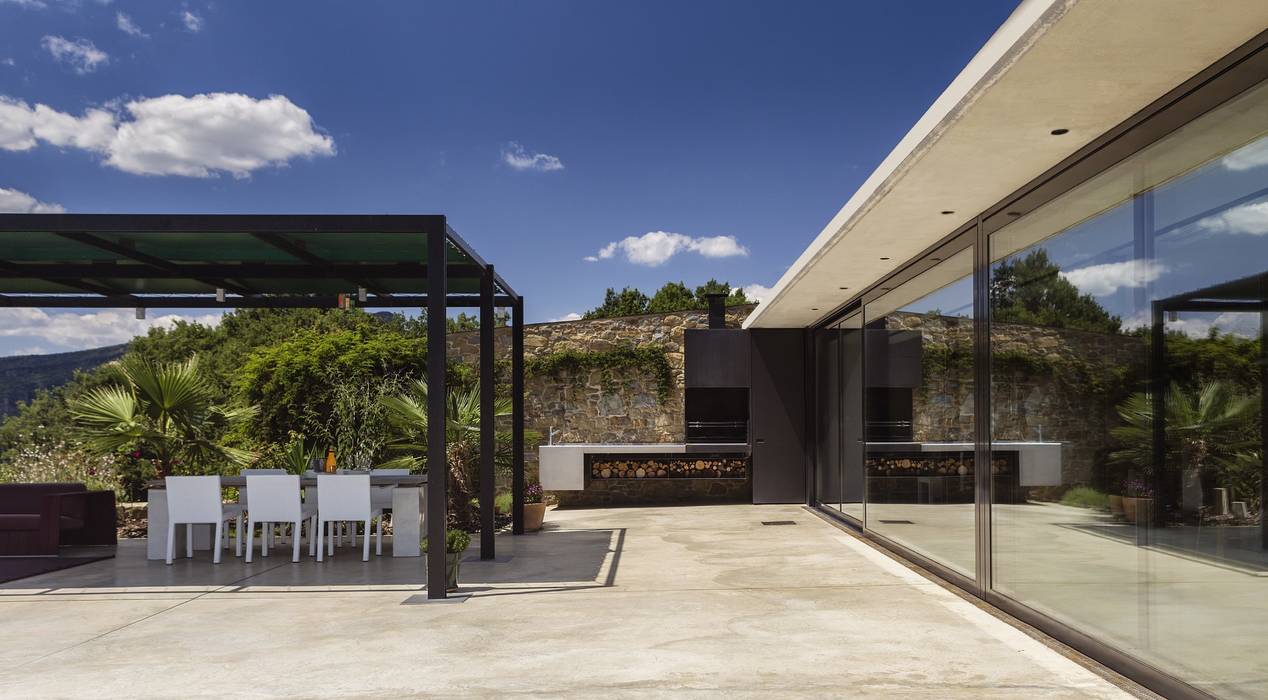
[296,383]
[735,296]
[407,414]
[674,296]
[1205,434]
[464,322]
[164,411]
[1032,291]
[627,302]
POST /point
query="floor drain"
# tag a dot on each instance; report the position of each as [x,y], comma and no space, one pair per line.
[779,522]
[897,522]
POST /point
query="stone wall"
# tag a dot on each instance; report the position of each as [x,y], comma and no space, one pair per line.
[620,408]
[1064,391]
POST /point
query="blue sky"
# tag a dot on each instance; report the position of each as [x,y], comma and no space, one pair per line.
[546,131]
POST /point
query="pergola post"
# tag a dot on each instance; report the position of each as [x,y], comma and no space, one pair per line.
[517,417]
[437,464]
[487,427]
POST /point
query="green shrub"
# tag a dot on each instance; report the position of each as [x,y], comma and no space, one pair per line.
[1085,497]
[456,541]
[502,502]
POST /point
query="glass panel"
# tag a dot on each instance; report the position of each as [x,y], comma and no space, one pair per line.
[1127,390]
[851,330]
[919,414]
[828,416]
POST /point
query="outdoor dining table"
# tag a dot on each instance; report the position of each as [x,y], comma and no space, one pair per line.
[408,511]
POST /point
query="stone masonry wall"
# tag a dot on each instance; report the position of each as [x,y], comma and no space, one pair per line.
[586,408]
[1027,404]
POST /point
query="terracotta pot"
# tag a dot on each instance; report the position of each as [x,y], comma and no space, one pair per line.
[1129,508]
[534,514]
[1116,505]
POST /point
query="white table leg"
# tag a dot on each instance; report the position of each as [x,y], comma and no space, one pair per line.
[156,524]
[407,517]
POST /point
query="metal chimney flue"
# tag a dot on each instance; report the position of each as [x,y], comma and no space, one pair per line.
[717,310]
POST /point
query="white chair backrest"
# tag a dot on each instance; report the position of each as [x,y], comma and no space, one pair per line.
[244,495]
[193,499]
[274,498]
[343,496]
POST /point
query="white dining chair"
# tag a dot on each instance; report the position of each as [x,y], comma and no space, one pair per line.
[275,499]
[244,495]
[381,496]
[346,498]
[195,500]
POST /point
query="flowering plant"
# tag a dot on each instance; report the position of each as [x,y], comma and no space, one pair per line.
[534,493]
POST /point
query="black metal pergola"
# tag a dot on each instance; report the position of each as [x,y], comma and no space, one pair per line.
[288,261]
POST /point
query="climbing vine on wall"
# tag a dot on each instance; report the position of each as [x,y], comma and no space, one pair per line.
[650,359]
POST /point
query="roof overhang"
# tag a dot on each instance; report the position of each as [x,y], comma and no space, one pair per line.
[1080,65]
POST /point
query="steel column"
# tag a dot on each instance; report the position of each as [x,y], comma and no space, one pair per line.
[437,464]
[487,427]
[517,417]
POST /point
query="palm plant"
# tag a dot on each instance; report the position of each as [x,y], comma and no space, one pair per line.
[164,411]
[407,414]
[1202,433]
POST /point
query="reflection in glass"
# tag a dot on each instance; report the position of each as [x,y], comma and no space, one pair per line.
[839,434]
[918,369]
[1127,370]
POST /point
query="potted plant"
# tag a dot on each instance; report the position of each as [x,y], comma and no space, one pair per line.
[534,507]
[456,542]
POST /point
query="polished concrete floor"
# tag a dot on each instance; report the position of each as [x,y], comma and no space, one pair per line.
[1192,601]
[696,601]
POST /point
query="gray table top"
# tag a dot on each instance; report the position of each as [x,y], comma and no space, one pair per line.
[410,480]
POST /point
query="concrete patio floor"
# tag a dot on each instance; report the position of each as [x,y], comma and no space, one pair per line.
[704,601]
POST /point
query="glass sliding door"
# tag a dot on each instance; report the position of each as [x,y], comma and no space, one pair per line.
[852,479]
[918,429]
[1128,368]
[828,417]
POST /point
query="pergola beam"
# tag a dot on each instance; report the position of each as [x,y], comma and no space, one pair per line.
[156,263]
[239,270]
[298,251]
[111,299]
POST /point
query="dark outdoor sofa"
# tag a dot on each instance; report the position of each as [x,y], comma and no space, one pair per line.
[35,519]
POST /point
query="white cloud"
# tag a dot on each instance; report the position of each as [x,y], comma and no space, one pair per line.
[80,54]
[32,4]
[8,61]
[1107,278]
[1252,155]
[76,331]
[1248,219]
[657,247]
[127,26]
[518,158]
[22,203]
[574,316]
[197,136]
[193,22]
[757,292]
[1199,324]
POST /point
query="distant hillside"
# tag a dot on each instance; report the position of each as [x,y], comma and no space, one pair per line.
[21,375]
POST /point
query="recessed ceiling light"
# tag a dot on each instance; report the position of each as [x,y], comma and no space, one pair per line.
[884,258]
[947,211]
[843,288]
[1013,213]
[936,259]
[1058,132]
[814,308]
